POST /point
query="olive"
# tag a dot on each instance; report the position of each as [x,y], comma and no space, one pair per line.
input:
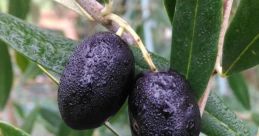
[96,81]
[162,104]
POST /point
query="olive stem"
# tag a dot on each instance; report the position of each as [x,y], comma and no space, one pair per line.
[107,124]
[48,74]
[140,44]
[84,12]
[120,31]
[113,23]
[224,26]
[203,100]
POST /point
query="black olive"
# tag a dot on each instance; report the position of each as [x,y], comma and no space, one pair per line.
[96,81]
[162,104]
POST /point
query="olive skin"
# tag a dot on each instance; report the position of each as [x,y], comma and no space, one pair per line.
[96,81]
[162,104]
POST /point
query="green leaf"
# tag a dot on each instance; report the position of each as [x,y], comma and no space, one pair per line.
[19,109]
[6,74]
[241,45]
[21,61]
[240,89]
[52,120]
[82,133]
[20,9]
[255,117]
[63,130]
[35,43]
[219,120]
[29,121]
[50,116]
[9,130]
[170,8]
[196,28]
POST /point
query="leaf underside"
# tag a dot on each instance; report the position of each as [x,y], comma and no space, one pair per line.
[219,120]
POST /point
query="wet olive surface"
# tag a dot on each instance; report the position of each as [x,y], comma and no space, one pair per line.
[96,81]
[162,105]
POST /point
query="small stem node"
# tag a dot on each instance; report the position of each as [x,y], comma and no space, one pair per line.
[120,31]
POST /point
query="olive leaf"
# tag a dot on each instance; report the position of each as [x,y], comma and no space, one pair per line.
[170,8]
[241,45]
[196,26]
[219,120]
[9,130]
[20,9]
[240,89]
[6,74]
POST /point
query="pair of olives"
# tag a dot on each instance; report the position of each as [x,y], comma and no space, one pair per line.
[100,75]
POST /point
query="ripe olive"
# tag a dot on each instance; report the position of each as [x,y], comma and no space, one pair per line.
[96,81]
[162,104]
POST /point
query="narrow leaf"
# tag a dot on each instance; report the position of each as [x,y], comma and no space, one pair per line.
[33,42]
[170,8]
[241,45]
[225,122]
[255,117]
[20,9]
[240,89]
[63,130]
[9,130]
[50,116]
[29,121]
[6,74]
[196,28]
[19,109]
[21,61]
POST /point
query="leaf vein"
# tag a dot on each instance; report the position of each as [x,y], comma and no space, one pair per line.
[221,122]
[242,53]
[191,46]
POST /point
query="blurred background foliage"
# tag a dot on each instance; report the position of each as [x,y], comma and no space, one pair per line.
[32,104]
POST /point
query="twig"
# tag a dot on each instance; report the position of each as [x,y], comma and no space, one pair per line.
[224,26]
[113,22]
[203,100]
[48,74]
[227,9]
[107,124]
